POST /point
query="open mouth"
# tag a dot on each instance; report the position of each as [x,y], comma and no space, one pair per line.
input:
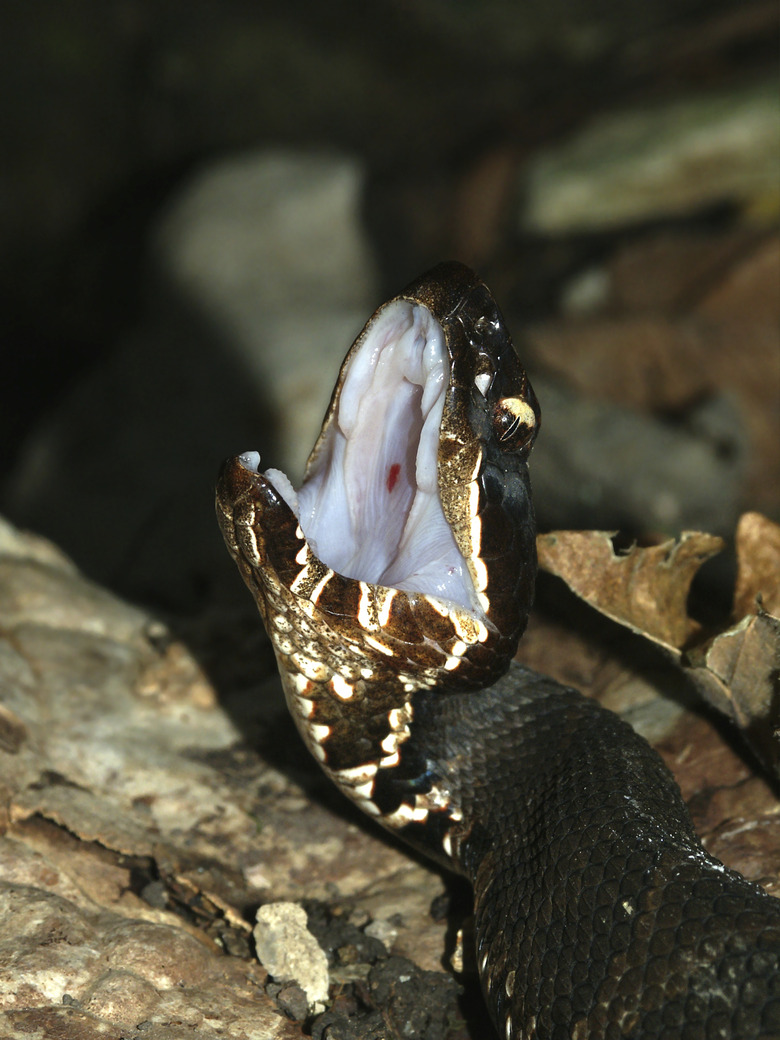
[369,505]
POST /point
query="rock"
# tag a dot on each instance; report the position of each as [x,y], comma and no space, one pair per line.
[414,997]
[120,771]
[597,464]
[642,164]
[269,231]
[115,972]
[289,952]
[270,249]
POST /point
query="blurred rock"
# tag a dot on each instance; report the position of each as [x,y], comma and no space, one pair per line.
[596,464]
[267,231]
[271,250]
[681,319]
[645,164]
[262,278]
[579,32]
[671,269]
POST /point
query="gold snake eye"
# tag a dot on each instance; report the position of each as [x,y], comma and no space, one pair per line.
[514,423]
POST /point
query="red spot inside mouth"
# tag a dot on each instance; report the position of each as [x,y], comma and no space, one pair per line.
[392,476]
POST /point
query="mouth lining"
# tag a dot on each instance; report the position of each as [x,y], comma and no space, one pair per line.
[369,504]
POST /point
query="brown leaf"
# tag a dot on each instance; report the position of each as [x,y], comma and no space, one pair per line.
[758,562]
[663,272]
[737,673]
[748,288]
[643,360]
[645,589]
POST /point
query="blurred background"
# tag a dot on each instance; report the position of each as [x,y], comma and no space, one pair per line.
[201,204]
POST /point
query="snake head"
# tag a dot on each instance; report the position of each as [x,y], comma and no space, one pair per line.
[418,481]
[406,559]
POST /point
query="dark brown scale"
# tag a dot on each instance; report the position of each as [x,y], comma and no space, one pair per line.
[403,621]
[345,750]
[590,883]
[497,531]
[340,598]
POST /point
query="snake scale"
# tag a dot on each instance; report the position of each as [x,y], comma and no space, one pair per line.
[394,585]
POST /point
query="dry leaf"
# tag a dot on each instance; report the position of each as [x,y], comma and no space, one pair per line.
[646,589]
[741,665]
[664,272]
[758,574]
[747,290]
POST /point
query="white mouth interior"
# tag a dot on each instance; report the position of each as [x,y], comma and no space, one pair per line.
[370,506]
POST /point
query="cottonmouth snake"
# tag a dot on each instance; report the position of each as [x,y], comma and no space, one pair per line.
[394,586]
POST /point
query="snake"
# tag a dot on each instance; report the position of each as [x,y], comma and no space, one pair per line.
[394,585]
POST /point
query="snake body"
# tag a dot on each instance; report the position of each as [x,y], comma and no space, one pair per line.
[394,586]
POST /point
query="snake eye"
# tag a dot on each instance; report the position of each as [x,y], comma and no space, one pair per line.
[514,423]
